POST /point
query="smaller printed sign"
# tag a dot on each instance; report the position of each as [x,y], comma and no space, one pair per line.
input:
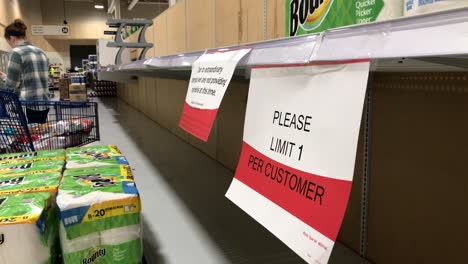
[211,75]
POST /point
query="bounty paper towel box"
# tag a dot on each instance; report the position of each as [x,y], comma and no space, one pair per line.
[28,230]
[93,152]
[25,157]
[41,182]
[311,16]
[32,167]
[95,156]
[96,162]
[122,171]
[95,207]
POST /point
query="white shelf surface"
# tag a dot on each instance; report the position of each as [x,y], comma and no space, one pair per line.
[438,34]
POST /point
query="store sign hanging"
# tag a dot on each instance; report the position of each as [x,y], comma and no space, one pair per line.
[50,30]
[211,75]
[296,167]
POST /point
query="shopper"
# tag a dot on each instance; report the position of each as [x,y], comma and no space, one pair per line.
[28,71]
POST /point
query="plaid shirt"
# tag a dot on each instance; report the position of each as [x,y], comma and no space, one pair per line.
[28,72]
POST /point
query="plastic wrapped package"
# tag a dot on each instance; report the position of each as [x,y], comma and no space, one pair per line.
[100,217]
[28,229]
[89,152]
[24,157]
[42,182]
[94,156]
[34,167]
[106,171]
[97,161]
[62,127]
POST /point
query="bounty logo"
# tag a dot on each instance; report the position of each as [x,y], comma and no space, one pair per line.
[307,14]
[14,181]
[17,167]
[96,180]
[95,155]
[19,156]
[3,200]
[94,256]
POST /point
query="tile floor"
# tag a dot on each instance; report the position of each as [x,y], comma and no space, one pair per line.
[187,219]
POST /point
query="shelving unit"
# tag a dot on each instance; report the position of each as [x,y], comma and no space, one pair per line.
[437,35]
[120,24]
[429,43]
[56,77]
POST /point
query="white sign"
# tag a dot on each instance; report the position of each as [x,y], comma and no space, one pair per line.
[211,75]
[51,30]
[297,162]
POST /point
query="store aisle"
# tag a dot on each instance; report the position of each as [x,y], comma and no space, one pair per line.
[187,218]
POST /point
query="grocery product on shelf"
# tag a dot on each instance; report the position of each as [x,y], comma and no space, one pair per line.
[417,7]
[103,88]
[28,229]
[307,16]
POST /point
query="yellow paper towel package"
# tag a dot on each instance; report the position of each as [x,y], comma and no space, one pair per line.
[100,216]
[28,232]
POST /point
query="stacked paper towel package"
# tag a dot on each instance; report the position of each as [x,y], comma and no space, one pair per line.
[99,208]
[77,206]
[28,216]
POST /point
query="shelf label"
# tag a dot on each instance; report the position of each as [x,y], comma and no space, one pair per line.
[210,77]
[50,30]
[296,166]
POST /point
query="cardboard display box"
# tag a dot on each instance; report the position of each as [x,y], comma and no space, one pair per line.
[79,97]
[78,92]
[77,88]
[64,83]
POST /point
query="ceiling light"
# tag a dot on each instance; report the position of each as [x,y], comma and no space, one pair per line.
[99,6]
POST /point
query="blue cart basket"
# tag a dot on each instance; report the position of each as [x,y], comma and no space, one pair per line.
[68,124]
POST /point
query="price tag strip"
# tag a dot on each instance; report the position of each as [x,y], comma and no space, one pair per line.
[211,75]
[296,167]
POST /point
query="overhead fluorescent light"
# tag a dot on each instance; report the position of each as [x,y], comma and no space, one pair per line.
[99,6]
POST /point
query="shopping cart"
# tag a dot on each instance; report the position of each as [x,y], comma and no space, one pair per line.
[69,124]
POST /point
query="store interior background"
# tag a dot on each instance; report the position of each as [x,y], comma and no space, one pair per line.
[418,184]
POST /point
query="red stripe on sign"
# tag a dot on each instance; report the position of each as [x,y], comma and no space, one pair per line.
[318,201]
[197,122]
